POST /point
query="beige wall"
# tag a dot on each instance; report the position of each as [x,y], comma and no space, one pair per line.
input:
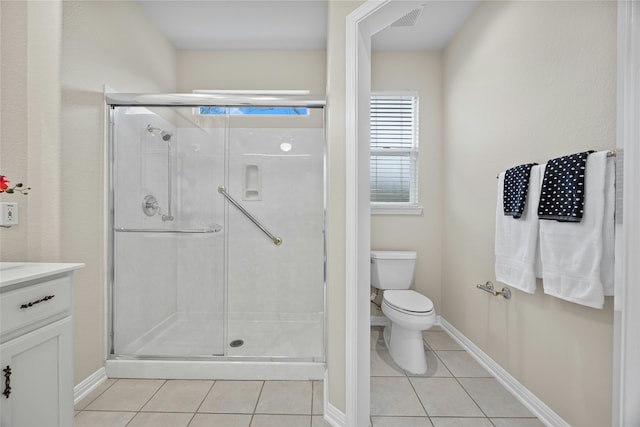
[13,121]
[251,70]
[526,81]
[421,72]
[104,43]
[30,131]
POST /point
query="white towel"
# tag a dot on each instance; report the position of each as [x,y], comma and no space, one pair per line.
[572,253]
[607,271]
[516,244]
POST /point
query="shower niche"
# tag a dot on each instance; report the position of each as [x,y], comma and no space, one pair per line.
[251,182]
[195,275]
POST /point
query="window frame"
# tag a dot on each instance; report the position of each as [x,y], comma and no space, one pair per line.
[410,207]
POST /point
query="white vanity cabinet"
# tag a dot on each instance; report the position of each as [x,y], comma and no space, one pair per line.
[36,345]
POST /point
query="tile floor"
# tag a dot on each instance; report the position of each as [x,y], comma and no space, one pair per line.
[200,403]
[456,391]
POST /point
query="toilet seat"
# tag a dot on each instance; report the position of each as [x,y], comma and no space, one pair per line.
[408,301]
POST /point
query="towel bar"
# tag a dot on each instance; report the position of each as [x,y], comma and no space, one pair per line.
[611,153]
[488,287]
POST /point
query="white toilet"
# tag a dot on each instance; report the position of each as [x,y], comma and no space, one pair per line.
[410,312]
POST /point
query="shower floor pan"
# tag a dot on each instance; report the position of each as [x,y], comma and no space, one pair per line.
[183,348]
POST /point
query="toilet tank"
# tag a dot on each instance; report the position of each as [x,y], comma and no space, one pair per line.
[392,269]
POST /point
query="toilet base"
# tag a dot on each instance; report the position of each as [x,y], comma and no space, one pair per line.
[406,348]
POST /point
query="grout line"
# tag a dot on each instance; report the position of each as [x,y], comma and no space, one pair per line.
[129,422]
[145,403]
[471,397]
[457,381]
[206,395]
[255,408]
[313,386]
[153,395]
[95,398]
[419,400]
[191,419]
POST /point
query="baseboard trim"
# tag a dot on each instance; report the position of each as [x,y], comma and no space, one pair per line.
[383,321]
[89,384]
[528,399]
[379,321]
[334,416]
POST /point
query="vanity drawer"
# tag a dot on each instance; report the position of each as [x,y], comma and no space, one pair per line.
[32,304]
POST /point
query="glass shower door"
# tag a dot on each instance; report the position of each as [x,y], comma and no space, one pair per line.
[168,246]
[193,276]
[275,304]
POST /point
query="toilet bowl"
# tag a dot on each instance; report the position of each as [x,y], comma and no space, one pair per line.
[409,312]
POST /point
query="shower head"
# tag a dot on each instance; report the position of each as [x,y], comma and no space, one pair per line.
[166,136]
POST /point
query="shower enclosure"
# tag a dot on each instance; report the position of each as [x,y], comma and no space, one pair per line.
[216,236]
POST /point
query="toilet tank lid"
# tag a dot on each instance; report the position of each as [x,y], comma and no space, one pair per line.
[393,255]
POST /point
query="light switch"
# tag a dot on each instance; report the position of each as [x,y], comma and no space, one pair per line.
[8,214]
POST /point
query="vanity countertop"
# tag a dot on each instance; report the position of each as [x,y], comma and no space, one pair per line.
[12,273]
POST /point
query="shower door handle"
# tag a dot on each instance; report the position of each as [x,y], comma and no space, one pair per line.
[275,239]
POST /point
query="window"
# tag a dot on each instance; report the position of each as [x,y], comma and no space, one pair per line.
[252,110]
[394,151]
[255,111]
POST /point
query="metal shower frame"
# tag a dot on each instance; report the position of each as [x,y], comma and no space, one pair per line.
[222,99]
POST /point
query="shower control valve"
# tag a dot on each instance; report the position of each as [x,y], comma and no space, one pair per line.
[150,205]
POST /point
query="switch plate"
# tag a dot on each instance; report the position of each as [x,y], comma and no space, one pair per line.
[8,214]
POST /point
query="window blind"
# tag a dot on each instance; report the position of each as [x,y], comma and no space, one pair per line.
[394,149]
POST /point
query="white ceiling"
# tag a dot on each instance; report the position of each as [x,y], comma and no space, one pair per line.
[291,24]
[438,22]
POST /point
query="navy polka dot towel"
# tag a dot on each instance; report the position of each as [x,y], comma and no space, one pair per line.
[562,194]
[516,187]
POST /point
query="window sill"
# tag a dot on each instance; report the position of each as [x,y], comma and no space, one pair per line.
[396,210]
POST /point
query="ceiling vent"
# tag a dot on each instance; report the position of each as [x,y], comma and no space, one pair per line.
[408,20]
